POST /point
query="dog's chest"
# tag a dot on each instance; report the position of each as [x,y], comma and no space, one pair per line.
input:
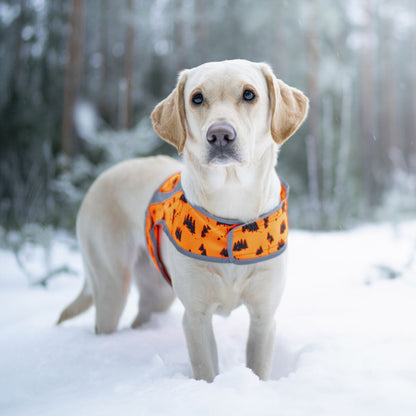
[230,284]
[220,288]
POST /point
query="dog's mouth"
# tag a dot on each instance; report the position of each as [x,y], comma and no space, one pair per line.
[223,157]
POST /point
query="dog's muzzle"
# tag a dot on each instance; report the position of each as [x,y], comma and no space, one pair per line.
[222,138]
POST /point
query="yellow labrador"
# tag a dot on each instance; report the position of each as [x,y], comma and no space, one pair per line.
[229,119]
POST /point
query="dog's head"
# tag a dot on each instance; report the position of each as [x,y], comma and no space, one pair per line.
[230,112]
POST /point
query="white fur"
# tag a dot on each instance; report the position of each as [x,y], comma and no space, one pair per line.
[110,223]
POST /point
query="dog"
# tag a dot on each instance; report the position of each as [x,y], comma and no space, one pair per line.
[229,120]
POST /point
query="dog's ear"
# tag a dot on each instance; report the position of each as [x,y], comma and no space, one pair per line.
[289,106]
[168,117]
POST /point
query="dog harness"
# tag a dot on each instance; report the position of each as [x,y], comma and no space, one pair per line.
[198,234]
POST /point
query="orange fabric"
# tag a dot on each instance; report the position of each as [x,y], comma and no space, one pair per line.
[208,238]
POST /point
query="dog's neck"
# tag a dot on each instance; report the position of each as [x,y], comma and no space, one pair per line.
[233,192]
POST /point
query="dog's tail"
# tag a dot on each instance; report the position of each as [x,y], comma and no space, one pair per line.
[82,303]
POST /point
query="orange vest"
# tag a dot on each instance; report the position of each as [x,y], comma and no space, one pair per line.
[197,234]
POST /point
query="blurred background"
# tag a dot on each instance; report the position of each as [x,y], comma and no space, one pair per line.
[78,80]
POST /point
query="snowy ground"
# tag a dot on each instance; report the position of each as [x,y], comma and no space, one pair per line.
[346,342]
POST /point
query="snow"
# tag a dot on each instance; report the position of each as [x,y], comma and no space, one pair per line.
[346,342]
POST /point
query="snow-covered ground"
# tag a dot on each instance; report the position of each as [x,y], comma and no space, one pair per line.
[346,342]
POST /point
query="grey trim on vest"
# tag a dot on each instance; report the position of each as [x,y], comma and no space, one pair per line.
[237,222]
[162,267]
[157,198]
[161,197]
[230,259]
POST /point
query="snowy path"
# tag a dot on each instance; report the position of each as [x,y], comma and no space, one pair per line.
[346,343]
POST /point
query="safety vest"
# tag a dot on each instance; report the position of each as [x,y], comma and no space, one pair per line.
[198,234]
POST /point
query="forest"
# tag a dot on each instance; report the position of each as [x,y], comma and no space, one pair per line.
[78,80]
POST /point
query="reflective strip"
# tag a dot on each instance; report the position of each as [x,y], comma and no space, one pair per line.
[274,242]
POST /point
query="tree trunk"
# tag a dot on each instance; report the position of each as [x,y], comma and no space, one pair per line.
[280,58]
[314,117]
[342,164]
[17,50]
[368,134]
[202,31]
[73,76]
[179,35]
[411,134]
[103,94]
[389,129]
[129,68]
[328,162]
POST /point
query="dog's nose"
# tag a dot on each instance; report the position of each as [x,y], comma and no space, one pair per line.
[221,134]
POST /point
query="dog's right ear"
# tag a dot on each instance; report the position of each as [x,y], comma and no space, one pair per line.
[289,106]
[168,117]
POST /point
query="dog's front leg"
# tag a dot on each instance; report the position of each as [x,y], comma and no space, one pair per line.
[260,343]
[201,344]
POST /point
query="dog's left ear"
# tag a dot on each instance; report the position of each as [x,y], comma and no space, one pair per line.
[289,106]
[168,117]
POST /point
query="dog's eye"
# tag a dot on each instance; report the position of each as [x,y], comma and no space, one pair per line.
[248,95]
[198,98]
